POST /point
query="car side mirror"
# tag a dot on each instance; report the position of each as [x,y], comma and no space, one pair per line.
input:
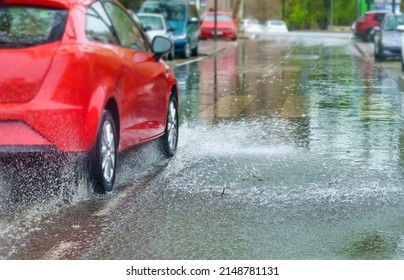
[160,46]
[194,20]
[400,28]
[376,29]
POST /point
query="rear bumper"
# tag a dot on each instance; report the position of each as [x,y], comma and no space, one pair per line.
[48,127]
[224,34]
[38,149]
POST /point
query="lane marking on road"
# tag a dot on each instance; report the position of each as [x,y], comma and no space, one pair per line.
[114,202]
[191,61]
[119,198]
[56,252]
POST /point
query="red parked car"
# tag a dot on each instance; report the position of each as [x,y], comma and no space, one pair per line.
[364,25]
[226,26]
[80,76]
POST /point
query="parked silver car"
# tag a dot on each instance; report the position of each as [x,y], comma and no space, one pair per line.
[387,37]
[157,25]
[275,26]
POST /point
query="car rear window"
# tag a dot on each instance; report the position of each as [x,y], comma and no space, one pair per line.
[25,26]
[171,11]
[151,22]
[379,17]
[222,18]
[278,23]
[392,22]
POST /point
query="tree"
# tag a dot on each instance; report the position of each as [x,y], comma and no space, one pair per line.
[303,14]
[345,12]
[297,17]
[131,4]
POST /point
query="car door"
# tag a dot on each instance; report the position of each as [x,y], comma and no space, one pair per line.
[145,86]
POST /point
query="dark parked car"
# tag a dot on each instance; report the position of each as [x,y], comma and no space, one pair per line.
[365,24]
[387,40]
[183,17]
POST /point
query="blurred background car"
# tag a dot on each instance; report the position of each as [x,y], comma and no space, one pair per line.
[275,26]
[387,40]
[156,25]
[226,26]
[183,17]
[365,24]
[251,26]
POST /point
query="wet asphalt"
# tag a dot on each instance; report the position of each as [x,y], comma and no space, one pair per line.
[291,147]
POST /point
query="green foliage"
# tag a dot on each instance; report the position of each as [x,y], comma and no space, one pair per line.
[370,246]
[309,14]
[124,2]
[345,13]
[131,4]
[297,16]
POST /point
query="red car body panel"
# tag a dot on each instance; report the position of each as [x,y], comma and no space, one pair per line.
[53,95]
[50,3]
[20,83]
[365,24]
[225,29]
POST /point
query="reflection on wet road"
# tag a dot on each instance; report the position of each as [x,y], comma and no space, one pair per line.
[290,148]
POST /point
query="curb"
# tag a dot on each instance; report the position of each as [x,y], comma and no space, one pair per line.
[360,50]
[366,49]
[207,51]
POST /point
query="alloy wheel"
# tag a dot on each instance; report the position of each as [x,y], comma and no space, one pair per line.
[172,126]
[107,153]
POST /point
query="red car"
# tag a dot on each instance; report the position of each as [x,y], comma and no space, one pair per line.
[80,76]
[364,25]
[226,26]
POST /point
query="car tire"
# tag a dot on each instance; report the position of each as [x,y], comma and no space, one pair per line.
[195,51]
[187,51]
[376,52]
[169,141]
[368,36]
[103,156]
[379,54]
[171,55]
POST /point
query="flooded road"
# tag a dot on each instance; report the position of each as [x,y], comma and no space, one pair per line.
[291,147]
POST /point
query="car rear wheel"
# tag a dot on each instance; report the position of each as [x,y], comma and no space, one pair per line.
[368,36]
[103,155]
[187,50]
[169,140]
[378,53]
[195,51]
[171,54]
